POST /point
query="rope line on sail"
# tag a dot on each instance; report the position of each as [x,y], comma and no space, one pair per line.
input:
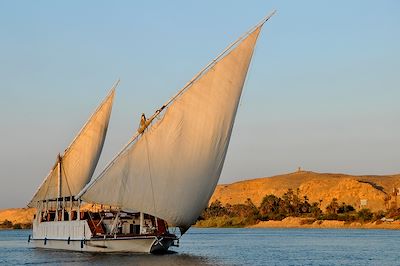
[48,184]
[66,180]
[66,151]
[44,182]
[215,61]
[137,135]
[151,180]
[47,190]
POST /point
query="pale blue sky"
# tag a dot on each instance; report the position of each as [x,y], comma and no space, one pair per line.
[322,91]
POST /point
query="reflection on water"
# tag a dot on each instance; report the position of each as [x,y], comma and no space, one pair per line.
[60,257]
[14,250]
[230,247]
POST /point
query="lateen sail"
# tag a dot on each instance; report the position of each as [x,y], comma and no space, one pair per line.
[173,168]
[80,158]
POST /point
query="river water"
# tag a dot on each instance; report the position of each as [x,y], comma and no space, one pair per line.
[230,246]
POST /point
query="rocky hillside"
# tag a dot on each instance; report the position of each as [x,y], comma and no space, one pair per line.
[318,187]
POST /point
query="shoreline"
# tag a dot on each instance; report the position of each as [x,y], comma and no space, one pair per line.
[296,222]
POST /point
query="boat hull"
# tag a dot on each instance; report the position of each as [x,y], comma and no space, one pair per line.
[150,244]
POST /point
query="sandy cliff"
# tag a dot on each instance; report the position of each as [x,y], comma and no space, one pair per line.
[317,186]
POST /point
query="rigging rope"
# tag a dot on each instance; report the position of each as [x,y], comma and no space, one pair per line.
[66,180]
[151,180]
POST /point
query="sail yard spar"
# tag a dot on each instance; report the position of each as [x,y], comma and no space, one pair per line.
[170,168]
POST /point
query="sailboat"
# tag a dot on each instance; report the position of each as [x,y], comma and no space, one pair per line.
[161,180]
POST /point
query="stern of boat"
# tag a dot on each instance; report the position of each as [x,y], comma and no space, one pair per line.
[162,243]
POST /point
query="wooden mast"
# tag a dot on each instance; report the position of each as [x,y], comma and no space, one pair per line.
[58,185]
[59,176]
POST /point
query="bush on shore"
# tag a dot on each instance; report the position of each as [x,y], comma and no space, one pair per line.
[6,224]
[289,205]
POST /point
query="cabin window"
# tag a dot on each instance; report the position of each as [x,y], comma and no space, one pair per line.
[51,216]
[136,229]
[73,215]
[84,216]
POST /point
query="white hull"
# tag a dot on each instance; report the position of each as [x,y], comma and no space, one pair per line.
[145,244]
[77,236]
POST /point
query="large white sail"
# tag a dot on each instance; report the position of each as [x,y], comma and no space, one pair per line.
[80,159]
[172,169]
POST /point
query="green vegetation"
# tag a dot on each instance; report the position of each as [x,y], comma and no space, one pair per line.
[6,224]
[237,215]
[289,205]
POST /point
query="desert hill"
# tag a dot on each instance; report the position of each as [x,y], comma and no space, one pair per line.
[318,187]
[17,215]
